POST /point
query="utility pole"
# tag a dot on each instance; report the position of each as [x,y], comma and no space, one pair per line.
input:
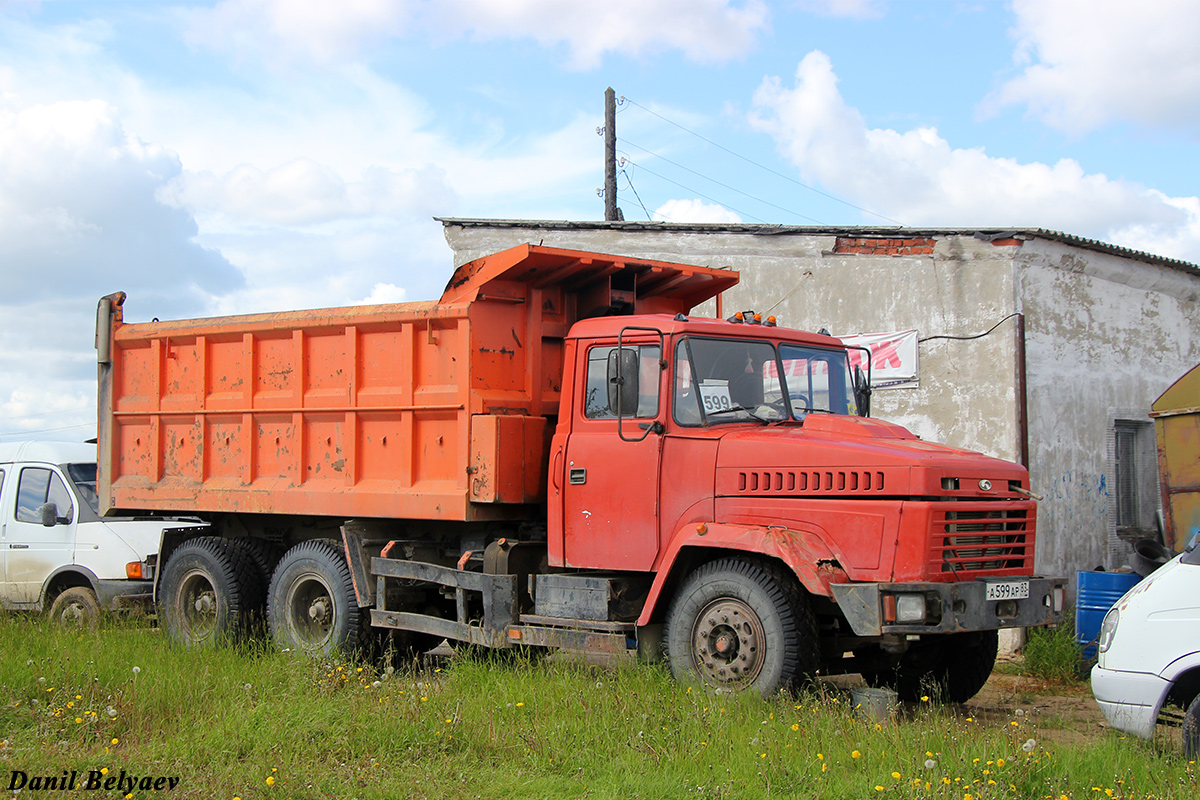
[611,212]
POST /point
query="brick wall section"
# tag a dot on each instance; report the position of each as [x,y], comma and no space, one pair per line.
[884,247]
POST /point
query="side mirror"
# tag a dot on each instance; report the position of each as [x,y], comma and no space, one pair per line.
[49,512]
[623,382]
[862,392]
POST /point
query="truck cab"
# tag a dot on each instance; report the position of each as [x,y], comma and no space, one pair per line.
[58,554]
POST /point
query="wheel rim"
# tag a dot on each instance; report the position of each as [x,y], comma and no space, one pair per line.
[728,643]
[73,613]
[310,611]
[197,602]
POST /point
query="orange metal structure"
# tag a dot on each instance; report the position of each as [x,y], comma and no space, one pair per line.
[1177,426]
[556,454]
[417,410]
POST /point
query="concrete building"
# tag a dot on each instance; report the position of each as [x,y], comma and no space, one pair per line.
[1032,345]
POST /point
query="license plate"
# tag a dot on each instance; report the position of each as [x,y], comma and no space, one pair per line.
[1009,590]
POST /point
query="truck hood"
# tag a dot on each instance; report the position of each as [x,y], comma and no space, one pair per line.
[843,453]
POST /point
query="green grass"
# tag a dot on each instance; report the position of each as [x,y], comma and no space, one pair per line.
[1052,654]
[251,722]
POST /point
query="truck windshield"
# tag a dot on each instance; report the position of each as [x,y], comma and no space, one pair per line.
[84,478]
[733,380]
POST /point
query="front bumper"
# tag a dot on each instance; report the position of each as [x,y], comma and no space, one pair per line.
[119,595]
[950,607]
[1130,700]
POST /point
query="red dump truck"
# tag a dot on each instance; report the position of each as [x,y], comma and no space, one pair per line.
[555,454]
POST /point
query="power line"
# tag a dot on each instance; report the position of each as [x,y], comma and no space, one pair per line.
[695,191]
[775,172]
[50,430]
[723,185]
[48,413]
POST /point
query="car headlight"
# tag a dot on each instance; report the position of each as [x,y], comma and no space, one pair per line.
[1108,629]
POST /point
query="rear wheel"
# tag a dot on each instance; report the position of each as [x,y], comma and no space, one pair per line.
[204,591]
[76,607]
[741,624]
[311,605]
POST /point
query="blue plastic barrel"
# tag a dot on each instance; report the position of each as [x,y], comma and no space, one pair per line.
[1096,593]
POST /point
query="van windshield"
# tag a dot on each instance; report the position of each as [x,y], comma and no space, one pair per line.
[84,478]
[734,380]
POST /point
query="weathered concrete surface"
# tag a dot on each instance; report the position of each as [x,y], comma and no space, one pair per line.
[1105,337]
[1106,334]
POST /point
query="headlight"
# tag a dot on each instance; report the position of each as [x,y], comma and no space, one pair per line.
[1108,629]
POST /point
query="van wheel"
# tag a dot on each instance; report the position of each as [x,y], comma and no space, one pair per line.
[202,597]
[1191,730]
[311,605]
[741,624]
[76,607]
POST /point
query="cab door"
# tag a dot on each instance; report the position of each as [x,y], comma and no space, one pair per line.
[32,550]
[610,483]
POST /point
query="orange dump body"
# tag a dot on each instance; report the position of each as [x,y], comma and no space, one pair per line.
[435,410]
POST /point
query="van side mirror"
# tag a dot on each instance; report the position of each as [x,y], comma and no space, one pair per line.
[622,377]
[49,512]
[862,392]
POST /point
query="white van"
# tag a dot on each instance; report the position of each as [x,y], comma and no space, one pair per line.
[57,552]
[1149,652]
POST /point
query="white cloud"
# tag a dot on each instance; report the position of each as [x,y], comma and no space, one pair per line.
[917,177]
[861,9]
[311,29]
[694,211]
[78,210]
[705,31]
[1088,62]
[386,293]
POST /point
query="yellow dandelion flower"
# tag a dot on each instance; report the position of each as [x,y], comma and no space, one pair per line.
[271,778]
[795,726]
[78,720]
[924,698]
[855,754]
[104,770]
[896,775]
[518,704]
[1000,762]
[879,788]
[821,756]
[116,740]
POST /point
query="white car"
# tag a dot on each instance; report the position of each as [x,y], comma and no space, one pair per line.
[58,553]
[1149,652]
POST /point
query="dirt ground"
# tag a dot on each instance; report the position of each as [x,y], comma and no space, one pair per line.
[1063,714]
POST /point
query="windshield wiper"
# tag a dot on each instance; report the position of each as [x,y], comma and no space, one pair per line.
[753,416]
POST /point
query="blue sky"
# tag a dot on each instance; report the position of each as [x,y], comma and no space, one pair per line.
[254,155]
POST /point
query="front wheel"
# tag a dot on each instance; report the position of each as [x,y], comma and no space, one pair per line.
[76,607]
[1191,730]
[741,624]
[311,605]
[952,667]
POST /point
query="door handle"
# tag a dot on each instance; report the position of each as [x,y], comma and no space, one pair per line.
[577,476]
[18,547]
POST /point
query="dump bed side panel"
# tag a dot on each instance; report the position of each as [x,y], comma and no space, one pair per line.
[359,412]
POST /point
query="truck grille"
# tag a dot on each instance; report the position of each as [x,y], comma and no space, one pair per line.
[994,541]
[792,481]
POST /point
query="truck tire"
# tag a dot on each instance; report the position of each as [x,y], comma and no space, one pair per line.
[311,605]
[953,668]
[264,556]
[741,624]
[1191,729]
[203,593]
[76,607]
